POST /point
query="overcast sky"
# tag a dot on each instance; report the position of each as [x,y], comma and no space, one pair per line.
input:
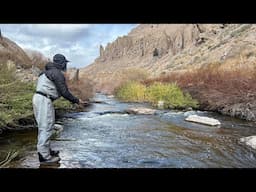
[78,42]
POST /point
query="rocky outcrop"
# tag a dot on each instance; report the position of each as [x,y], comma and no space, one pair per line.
[73,74]
[163,38]
[101,51]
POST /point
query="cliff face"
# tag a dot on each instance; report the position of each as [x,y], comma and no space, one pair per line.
[161,48]
[142,41]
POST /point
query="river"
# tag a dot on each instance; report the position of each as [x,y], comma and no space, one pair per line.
[105,137]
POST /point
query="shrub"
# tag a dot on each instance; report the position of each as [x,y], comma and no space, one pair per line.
[37,58]
[171,94]
[131,91]
[82,88]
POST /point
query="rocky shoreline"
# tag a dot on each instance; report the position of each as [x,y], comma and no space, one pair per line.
[245,109]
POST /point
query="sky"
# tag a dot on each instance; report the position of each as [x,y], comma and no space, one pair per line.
[78,42]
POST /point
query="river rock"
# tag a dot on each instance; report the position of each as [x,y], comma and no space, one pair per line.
[160,104]
[141,111]
[251,141]
[203,120]
[58,127]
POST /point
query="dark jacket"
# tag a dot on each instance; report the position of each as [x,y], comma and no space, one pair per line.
[53,73]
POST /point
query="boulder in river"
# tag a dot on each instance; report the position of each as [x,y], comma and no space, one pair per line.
[140,111]
[203,120]
[251,141]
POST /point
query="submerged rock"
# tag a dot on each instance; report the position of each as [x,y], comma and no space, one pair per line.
[203,120]
[57,129]
[141,111]
[251,141]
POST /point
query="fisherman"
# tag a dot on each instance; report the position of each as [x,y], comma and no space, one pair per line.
[51,85]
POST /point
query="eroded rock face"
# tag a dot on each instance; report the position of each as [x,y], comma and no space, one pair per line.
[73,74]
[142,41]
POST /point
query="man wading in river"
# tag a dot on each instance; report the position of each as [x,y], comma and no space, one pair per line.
[51,85]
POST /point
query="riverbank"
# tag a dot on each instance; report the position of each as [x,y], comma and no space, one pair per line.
[228,92]
[27,122]
[16,110]
[241,107]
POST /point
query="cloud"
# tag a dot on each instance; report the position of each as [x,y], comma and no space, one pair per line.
[78,42]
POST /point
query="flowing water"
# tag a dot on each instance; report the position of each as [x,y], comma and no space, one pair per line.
[105,137]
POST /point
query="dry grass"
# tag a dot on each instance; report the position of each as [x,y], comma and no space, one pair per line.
[109,84]
[17,59]
[215,85]
[37,59]
[82,88]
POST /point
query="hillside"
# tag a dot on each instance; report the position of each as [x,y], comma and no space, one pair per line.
[9,50]
[25,65]
[162,48]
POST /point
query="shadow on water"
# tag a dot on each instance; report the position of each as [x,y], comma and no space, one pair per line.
[106,137]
